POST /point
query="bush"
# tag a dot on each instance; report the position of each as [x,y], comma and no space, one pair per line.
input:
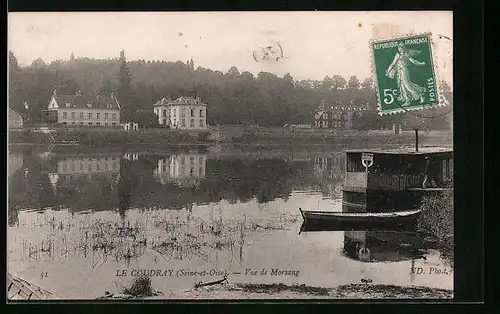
[437,219]
[140,287]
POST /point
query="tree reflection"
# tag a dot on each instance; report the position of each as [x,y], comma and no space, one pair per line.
[29,187]
[177,181]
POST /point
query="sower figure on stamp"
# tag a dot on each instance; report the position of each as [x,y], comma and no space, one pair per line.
[399,69]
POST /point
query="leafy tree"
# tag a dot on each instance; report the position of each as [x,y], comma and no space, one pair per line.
[338,82]
[353,83]
[367,84]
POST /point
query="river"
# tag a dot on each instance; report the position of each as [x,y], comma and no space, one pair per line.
[85,221]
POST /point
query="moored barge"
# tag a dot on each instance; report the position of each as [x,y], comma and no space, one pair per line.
[396,179]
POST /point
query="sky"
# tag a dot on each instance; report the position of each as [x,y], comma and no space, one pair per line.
[314,44]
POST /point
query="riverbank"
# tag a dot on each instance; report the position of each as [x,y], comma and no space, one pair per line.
[281,291]
[108,137]
[261,136]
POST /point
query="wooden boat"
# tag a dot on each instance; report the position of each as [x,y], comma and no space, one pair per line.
[20,289]
[384,218]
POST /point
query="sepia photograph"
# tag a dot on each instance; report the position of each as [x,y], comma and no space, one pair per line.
[230,155]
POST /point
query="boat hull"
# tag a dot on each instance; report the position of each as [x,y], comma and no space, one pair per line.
[359,220]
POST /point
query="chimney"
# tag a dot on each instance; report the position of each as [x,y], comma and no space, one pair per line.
[79,93]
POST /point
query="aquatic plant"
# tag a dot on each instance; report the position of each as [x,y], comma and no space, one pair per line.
[437,219]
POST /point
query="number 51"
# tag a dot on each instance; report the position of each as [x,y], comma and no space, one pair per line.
[389,95]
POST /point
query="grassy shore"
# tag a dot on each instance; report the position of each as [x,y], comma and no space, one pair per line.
[259,136]
[281,291]
[107,137]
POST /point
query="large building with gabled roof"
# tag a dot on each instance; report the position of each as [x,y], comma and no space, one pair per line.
[181,113]
[80,109]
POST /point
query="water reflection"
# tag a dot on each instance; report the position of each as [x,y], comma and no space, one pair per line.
[15,163]
[187,209]
[384,246]
[108,181]
[182,170]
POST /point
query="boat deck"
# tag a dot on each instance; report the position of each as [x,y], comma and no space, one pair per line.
[20,289]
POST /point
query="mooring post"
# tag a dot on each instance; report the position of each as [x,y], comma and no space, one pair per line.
[416,140]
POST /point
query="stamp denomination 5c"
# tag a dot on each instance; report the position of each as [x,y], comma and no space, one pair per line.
[405,75]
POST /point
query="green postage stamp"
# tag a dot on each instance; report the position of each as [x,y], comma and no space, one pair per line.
[405,75]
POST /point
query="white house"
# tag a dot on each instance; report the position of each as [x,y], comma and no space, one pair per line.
[181,113]
[99,110]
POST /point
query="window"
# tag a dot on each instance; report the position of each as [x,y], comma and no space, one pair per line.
[202,124]
[164,112]
[114,124]
[81,115]
[90,123]
[191,160]
[105,123]
[192,112]
[73,115]
[68,105]
[98,114]
[65,115]
[192,123]
[200,161]
[183,112]
[113,116]
[81,166]
[89,105]
[201,112]
[90,167]
[81,122]
[98,167]
[65,123]
[90,115]
[183,122]
[98,123]
[175,112]
[73,122]
[183,160]
[106,116]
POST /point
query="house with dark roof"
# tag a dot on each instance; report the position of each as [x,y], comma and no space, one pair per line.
[15,120]
[80,109]
[182,113]
[336,116]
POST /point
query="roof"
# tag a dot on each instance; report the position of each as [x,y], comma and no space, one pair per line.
[163,102]
[341,108]
[182,100]
[14,115]
[80,101]
[404,150]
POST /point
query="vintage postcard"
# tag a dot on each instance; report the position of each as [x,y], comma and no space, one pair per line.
[230,155]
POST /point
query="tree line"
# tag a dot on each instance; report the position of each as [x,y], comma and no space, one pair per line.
[232,97]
